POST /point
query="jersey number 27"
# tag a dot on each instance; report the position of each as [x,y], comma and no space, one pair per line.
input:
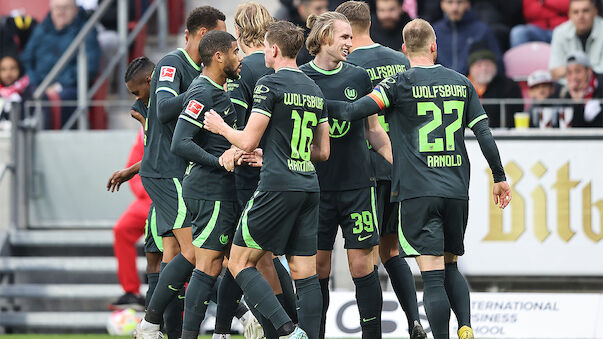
[437,145]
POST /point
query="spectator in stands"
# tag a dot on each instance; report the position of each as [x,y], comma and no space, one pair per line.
[583,32]
[543,114]
[47,44]
[15,30]
[583,84]
[299,12]
[387,24]
[13,84]
[430,10]
[492,84]
[457,31]
[541,17]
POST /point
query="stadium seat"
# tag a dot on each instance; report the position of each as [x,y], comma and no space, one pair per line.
[524,59]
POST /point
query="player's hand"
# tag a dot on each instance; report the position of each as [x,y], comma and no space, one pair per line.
[213,122]
[118,178]
[227,159]
[502,194]
[253,159]
[137,116]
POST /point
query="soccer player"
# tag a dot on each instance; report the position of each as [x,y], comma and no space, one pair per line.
[347,189]
[131,225]
[281,217]
[209,186]
[428,108]
[162,171]
[251,20]
[381,62]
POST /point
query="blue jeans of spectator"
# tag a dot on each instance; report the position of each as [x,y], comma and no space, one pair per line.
[521,34]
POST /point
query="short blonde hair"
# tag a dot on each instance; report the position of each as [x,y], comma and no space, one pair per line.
[418,36]
[321,29]
[252,19]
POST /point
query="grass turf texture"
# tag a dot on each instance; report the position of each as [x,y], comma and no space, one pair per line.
[82,336]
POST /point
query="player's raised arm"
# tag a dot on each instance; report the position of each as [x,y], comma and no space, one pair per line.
[350,111]
[247,139]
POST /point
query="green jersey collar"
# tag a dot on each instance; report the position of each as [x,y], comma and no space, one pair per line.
[188,57]
[368,46]
[212,82]
[256,52]
[325,72]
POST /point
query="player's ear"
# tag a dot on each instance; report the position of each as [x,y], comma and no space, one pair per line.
[404,49]
[187,35]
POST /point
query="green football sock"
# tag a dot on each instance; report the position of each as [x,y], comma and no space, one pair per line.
[152,279]
[436,303]
[403,284]
[171,280]
[289,301]
[370,302]
[195,304]
[259,295]
[324,290]
[457,290]
[310,305]
[229,296]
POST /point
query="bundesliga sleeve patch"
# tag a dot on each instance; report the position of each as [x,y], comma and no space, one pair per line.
[167,73]
[194,108]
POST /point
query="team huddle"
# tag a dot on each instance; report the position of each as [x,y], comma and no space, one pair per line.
[248,159]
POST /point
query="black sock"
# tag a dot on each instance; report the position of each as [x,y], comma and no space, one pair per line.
[229,297]
[172,315]
[290,300]
[195,304]
[403,284]
[259,295]
[324,290]
[436,303]
[241,308]
[310,305]
[171,280]
[152,279]
[457,290]
[370,302]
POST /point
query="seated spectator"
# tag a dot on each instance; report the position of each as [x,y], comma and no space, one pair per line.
[457,31]
[541,17]
[583,32]
[583,84]
[492,84]
[543,114]
[47,44]
[387,24]
[13,84]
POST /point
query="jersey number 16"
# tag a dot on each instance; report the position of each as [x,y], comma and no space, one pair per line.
[302,134]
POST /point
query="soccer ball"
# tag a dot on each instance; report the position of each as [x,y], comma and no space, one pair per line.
[122,322]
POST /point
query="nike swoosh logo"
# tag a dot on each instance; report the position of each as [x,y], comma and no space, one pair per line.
[361,238]
[226,112]
[206,302]
[173,289]
[364,320]
[180,297]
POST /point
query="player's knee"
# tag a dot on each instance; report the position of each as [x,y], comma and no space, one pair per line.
[323,268]
[450,258]
[387,252]
[361,268]
[153,262]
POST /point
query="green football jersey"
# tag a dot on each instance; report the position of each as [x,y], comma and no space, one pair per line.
[430,107]
[140,107]
[204,182]
[349,164]
[380,62]
[253,67]
[295,106]
[173,74]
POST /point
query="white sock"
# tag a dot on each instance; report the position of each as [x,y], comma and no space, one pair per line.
[147,326]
